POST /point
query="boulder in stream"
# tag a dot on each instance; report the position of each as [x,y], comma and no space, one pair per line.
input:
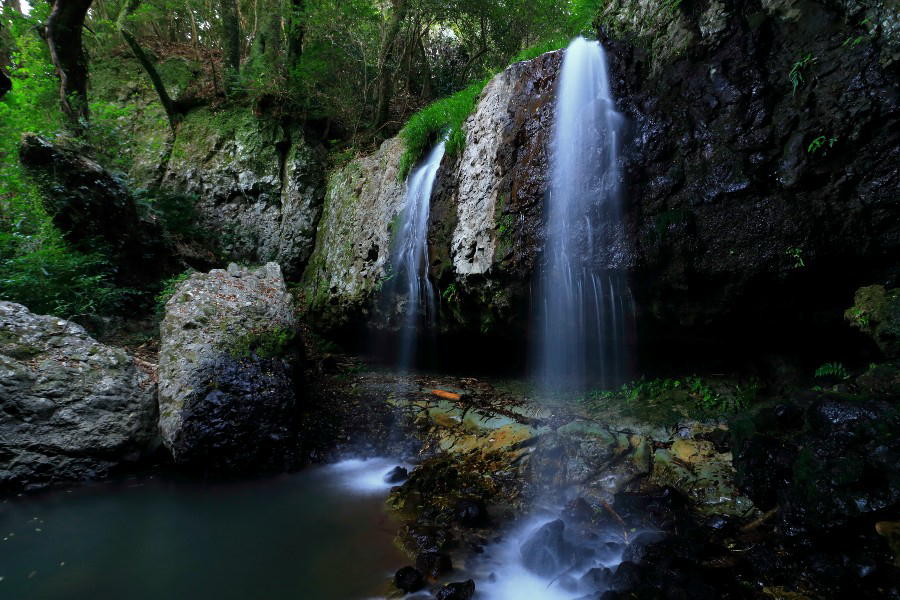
[227,367]
[71,408]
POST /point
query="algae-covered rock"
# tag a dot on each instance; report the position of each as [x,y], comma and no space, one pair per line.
[227,388]
[71,408]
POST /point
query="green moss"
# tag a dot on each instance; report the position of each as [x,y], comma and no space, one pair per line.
[876,312]
[273,343]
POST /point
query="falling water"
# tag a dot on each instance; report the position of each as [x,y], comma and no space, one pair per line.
[409,260]
[583,308]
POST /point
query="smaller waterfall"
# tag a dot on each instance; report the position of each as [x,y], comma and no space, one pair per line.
[409,259]
[583,307]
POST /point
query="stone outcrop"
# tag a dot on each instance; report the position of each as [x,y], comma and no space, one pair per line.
[227,366]
[71,408]
[258,185]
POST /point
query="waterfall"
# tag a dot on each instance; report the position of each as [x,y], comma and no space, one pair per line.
[583,309]
[409,259]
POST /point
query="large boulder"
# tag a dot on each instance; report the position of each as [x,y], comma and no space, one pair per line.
[71,408]
[227,369]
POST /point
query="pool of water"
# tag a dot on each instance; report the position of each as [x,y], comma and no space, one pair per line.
[322,534]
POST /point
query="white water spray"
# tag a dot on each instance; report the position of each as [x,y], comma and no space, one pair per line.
[583,309]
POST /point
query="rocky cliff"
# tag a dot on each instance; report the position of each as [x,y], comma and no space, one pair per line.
[760,173]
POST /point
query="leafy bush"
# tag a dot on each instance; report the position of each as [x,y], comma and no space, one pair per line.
[169,286]
[41,272]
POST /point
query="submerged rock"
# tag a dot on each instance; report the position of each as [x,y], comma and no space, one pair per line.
[547,552]
[71,408]
[227,371]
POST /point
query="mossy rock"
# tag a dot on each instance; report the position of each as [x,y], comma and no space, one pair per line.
[876,312]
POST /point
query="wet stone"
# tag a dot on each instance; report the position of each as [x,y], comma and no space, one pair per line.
[471,513]
[409,579]
[396,475]
[434,564]
[460,590]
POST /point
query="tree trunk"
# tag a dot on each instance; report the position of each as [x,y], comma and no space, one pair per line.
[232,43]
[63,34]
[295,32]
[384,77]
[122,23]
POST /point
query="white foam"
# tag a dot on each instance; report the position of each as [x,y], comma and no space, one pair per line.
[364,476]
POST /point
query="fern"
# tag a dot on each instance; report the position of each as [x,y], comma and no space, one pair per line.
[833,369]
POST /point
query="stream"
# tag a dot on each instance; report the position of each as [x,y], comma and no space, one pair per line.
[319,534]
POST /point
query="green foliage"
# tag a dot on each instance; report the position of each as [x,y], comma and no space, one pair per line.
[795,75]
[819,142]
[542,48]
[797,255]
[168,289]
[665,401]
[443,117]
[450,293]
[37,267]
[263,344]
[833,369]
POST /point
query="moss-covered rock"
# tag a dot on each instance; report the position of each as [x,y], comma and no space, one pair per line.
[876,312]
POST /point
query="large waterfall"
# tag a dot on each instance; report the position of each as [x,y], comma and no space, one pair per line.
[583,308]
[409,259]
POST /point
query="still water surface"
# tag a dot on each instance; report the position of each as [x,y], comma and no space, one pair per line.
[321,534]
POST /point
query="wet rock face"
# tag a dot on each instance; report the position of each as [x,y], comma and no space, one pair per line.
[259,185]
[749,198]
[460,590]
[486,228]
[70,407]
[353,242]
[228,391]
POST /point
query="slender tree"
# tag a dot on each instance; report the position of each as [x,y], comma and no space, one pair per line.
[295,32]
[232,41]
[123,25]
[63,33]
[385,55]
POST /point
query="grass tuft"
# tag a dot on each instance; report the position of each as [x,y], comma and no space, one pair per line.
[441,116]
